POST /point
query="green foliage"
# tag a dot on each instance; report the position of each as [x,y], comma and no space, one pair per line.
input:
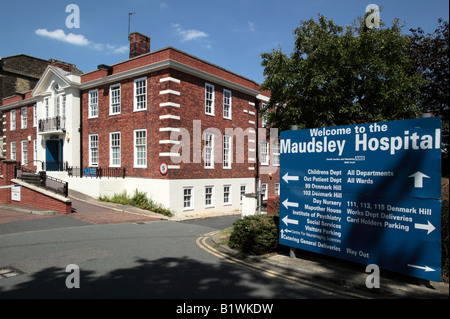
[340,76]
[256,234]
[139,199]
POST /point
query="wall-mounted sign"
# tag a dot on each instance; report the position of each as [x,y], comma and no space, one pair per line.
[163,168]
[368,193]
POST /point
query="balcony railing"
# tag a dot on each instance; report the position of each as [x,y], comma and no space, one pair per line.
[52,124]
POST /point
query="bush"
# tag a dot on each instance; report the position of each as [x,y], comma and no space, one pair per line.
[139,199]
[256,234]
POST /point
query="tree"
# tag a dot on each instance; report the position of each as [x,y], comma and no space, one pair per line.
[341,76]
[430,54]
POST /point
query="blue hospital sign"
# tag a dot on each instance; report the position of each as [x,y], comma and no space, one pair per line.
[367,193]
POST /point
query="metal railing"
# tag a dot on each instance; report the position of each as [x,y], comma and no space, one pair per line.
[51,124]
[42,180]
[97,172]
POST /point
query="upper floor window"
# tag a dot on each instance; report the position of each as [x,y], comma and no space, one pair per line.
[23,117]
[264,153]
[140,148]
[227,104]
[209,150]
[114,99]
[35,121]
[140,94]
[209,99]
[12,126]
[93,104]
[276,154]
[114,149]
[227,151]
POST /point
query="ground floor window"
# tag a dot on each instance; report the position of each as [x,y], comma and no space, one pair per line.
[209,196]
[188,198]
[227,194]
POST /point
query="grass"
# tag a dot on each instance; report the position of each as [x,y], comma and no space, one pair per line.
[139,199]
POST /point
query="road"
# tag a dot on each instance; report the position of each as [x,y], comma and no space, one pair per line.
[146,259]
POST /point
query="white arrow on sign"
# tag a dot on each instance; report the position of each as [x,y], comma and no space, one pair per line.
[418,179]
[287,203]
[288,178]
[428,226]
[426,268]
[287,221]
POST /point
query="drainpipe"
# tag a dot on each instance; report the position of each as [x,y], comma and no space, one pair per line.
[258,181]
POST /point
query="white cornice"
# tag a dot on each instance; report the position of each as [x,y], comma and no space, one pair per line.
[167,64]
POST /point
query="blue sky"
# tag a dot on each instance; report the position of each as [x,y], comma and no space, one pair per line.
[229,33]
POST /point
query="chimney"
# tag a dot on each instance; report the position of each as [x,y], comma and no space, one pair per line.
[139,44]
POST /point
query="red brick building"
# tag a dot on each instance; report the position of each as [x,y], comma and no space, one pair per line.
[186,131]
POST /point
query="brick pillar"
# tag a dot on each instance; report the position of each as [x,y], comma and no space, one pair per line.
[8,175]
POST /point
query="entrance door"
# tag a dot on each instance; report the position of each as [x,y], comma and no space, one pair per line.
[53,155]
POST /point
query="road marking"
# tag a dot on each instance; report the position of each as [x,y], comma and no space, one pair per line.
[202,243]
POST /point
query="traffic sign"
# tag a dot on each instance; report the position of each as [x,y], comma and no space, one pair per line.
[368,193]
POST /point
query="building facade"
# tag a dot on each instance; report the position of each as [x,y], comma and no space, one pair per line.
[186,132]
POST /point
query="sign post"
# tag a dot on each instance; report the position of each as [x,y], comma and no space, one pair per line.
[367,193]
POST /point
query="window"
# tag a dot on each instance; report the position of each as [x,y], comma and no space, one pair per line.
[56,109]
[209,196]
[93,104]
[140,94]
[24,153]
[209,99]
[243,190]
[264,153]
[114,99]
[277,188]
[35,121]
[263,118]
[227,194]
[114,149]
[13,150]
[227,104]
[140,148]
[93,150]
[46,106]
[13,120]
[188,198]
[264,190]
[209,150]
[23,117]
[227,151]
[63,107]
[35,152]
[276,154]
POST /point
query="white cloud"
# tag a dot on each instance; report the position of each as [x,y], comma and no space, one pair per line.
[79,39]
[251,26]
[188,35]
[59,34]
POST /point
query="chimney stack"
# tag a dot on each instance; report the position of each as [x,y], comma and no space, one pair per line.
[139,44]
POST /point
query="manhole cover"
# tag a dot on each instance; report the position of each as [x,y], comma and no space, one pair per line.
[7,272]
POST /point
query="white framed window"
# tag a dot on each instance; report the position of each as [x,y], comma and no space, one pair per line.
[264,152]
[24,152]
[47,108]
[188,198]
[276,154]
[227,151]
[35,120]
[264,190]
[93,150]
[93,104]
[277,189]
[209,150]
[56,110]
[243,190]
[209,99]
[114,99]
[63,107]
[209,196]
[114,149]
[23,117]
[140,148]
[140,94]
[12,126]
[227,195]
[263,118]
[35,152]
[227,104]
[13,150]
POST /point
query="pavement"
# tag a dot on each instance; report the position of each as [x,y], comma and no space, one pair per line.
[305,265]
